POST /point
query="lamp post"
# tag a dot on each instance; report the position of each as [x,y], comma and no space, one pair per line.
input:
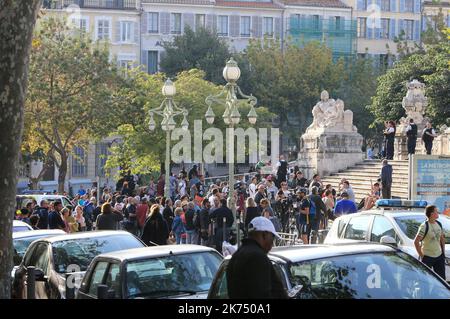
[231,117]
[168,110]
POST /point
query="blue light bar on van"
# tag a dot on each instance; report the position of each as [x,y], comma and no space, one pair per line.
[401,203]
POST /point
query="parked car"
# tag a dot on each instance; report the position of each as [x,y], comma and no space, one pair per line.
[67,255]
[172,271]
[19,226]
[22,200]
[400,224]
[23,239]
[347,271]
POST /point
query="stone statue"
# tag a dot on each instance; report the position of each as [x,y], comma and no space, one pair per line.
[414,102]
[329,113]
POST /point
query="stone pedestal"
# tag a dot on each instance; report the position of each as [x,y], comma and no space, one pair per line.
[329,152]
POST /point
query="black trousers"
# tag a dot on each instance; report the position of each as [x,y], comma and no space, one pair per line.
[386,191]
[436,263]
[390,150]
[428,147]
[412,145]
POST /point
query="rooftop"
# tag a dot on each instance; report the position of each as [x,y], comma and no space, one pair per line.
[316,3]
[248,4]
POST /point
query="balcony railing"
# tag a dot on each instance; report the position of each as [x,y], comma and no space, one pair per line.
[94,4]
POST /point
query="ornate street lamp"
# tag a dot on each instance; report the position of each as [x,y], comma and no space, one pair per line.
[231,117]
[168,110]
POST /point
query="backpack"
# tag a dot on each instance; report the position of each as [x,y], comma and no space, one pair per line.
[312,208]
[427,227]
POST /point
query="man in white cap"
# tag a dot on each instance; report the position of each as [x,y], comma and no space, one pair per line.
[250,273]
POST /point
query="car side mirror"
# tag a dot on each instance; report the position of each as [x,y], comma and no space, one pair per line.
[40,275]
[388,240]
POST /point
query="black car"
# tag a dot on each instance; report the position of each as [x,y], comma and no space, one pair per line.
[353,271]
[169,271]
[54,258]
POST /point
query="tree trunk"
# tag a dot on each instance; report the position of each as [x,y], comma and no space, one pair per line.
[62,172]
[17,20]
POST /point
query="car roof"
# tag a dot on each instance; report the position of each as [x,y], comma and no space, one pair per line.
[155,251]
[300,253]
[392,213]
[86,235]
[39,232]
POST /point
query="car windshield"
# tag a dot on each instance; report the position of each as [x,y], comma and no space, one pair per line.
[410,225]
[80,252]
[172,275]
[389,275]
[21,245]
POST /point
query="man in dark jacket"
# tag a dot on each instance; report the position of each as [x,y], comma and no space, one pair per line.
[250,274]
[320,212]
[168,213]
[204,221]
[219,214]
[55,220]
[191,230]
[42,212]
[386,179]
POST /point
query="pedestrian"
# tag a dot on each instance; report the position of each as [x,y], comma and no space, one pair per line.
[386,179]
[260,194]
[141,214]
[34,221]
[347,188]
[25,216]
[252,187]
[88,212]
[69,220]
[274,220]
[411,134]
[315,182]
[168,214]
[372,197]
[221,215]
[155,231]
[389,133]
[250,273]
[328,200]
[204,222]
[302,218]
[80,218]
[251,212]
[130,217]
[54,217]
[345,206]
[151,190]
[42,212]
[109,218]
[263,205]
[282,167]
[428,135]
[178,227]
[192,223]
[300,180]
[431,236]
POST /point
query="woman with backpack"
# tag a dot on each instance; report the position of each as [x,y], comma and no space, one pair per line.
[178,226]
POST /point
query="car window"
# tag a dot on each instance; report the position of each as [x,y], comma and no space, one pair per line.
[382,227]
[410,225]
[387,275]
[357,228]
[220,286]
[280,274]
[113,280]
[341,225]
[29,255]
[41,257]
[97,277]
[20,228]
[171,275]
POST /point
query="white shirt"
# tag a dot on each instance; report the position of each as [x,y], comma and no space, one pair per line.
[252,190]
[390,130]
[432,131]
[182,188]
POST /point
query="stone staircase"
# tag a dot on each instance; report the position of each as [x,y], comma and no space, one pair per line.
[361,175]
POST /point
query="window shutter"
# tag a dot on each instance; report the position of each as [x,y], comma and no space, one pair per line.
[144,60]
[369,30]
[256,28]
[392,31]
[402,5]
[277,27]
[393,4]
[234,26]
[136,31]
[117,31]
[416,6]
[189,20]
[211,22]
[360,5]
[416,30]
[165,22]
[144,23]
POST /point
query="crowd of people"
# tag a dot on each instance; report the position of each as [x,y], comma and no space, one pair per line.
[196,213]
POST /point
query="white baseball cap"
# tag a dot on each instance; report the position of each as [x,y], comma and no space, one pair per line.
[262,224]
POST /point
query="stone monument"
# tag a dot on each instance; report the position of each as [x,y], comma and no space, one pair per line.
[331,143]
[414,103]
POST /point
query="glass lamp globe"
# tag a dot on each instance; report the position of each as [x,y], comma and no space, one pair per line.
[168,89]
[231,72]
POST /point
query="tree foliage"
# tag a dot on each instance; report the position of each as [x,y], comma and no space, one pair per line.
[71,92]
[201,49]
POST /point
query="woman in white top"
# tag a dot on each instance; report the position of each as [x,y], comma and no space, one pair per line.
[252,188]
[80,218]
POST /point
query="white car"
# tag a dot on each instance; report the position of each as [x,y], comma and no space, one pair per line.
[398,226]
[22,200]
[20,226]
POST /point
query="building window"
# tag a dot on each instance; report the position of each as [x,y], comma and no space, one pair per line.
[126,31]
[384,29]
[245,26]
[80,24]
[101,155]
[175,23]
[315,22]
[385,5]
[364,4]
[222,29]
[152,62]
[362,28]
[103,30]
[268,26]
[409,5]
[409,29]
[153,22]
[338,23]
[79,162]
[125,66]
[200,21]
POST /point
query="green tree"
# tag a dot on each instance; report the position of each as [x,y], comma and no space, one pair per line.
[200,49]
[430,67]
[71,93]
[290,81]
